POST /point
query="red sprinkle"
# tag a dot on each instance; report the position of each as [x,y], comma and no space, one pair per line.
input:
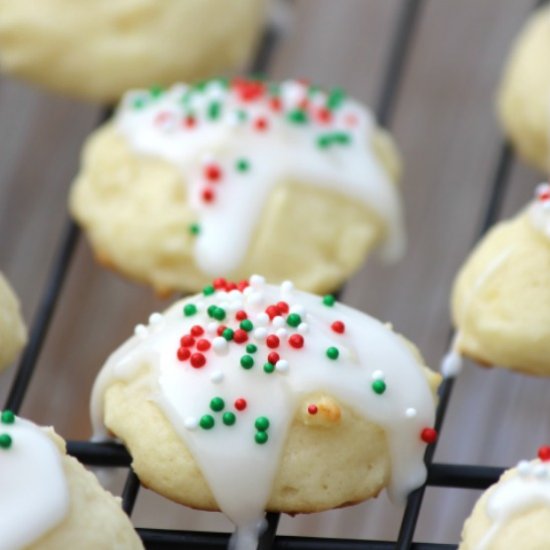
[162,117]
[248,90]
[273,357]
[272,311]
[212,172]
[261,124]
[230,286]
[324,115]
[203,345]
[296,341]
[272,341]
[544,195]
[241,285]
[283,307]
[312,409]
[276,104]
[189,121]
[544,453]
[183,354]
[187,341]
[198,360]
[220,330]
[304,104]
[351,120]
[338,327]
[208,195]
[428,435]
[197,330]
[219,283]
[240,336]
[241,315]
[240,404]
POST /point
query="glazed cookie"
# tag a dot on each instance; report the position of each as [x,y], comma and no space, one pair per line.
[524,95]
[98,49]
[232,178]
[515,512]
[13,334]
[501,296]
[48,500]
[258,397]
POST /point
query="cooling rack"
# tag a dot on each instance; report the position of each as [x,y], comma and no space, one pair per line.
[115,455]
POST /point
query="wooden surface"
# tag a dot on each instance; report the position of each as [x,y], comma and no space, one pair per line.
[446,129]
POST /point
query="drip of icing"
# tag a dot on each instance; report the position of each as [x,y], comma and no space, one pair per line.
[529,488]
[34,495]
[239,147]
[368,355]
[539,211]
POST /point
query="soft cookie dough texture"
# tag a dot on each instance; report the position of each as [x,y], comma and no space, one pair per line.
[13,334]
[501,299]
[524,95]
[137,210]
[98,49]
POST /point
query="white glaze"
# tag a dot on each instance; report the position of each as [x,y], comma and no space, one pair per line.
[539,210]
[367,348]
[528,488]
[283,152]
[34,496]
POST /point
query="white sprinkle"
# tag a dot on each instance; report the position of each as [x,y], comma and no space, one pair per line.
[260,333]
[220,345]
[140,331]
[378,375]
[155,318]
[232,120]
[200,305]
[278,322]
[298,308]
[234,306]
[257,281]
[222,295]
[255,298]
[224,304]
[287,287]
[207,158]
[524,468]
[540,471]
[191,423]
[410,412]
[248,290]
[303,328]
[451,364]
[212,328]
[236,295]
[216,376]
[281,332]
[262,319]
[281,365]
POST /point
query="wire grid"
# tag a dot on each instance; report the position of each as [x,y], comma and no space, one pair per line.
[115,455]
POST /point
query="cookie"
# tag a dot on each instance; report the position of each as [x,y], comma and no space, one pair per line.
[232,178]
[254,397]
[501,296]
[513,513]
[97,50]
[48,500]
[524,94]
[13,333]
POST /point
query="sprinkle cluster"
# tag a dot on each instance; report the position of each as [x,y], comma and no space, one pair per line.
[7,417]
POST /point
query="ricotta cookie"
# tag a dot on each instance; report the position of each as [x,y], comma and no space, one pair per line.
[515,512]
[524,95]
[13,333]
[232,178]
[501,296]
[96,50]
[48,500]
[254,397]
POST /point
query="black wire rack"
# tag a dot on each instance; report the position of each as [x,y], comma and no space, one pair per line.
[115,455]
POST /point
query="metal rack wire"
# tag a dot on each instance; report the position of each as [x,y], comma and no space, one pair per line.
[115,455]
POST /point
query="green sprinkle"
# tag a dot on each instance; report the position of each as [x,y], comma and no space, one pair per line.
[5,441]
[8,417]
[246,324]
[201,85]
[217,404]
[329,300]
[274,89]
[194,229]
[297,116]
[262,423]
[242,165]
[219,314]
[242,115]
[189,310]
[207,422]
[336,98]
[261,438]
[341,137]
[251,348]
[139,103]
[247,362]
[379,387]
[333,353]
[229,418]
[324,141]
[269,368]
[208,291]
[214,110]
[313,90]
[156,91]
[228,334]
[293,320]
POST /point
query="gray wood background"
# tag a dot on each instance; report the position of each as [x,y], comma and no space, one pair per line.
[447,132]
